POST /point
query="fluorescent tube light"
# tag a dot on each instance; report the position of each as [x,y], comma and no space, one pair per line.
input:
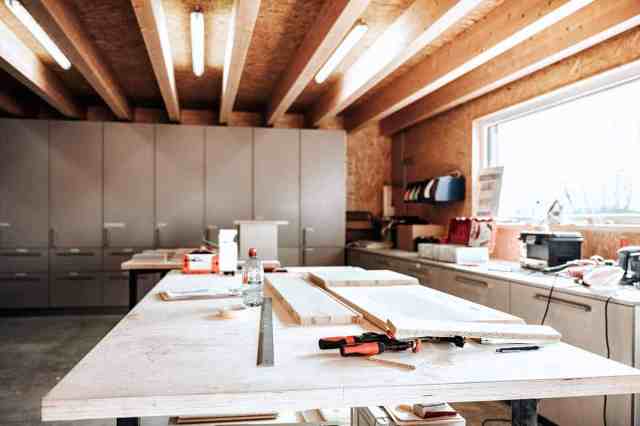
[38,33]
[197,42]
[340,53]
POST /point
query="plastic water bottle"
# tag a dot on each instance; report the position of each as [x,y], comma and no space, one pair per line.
[252,278]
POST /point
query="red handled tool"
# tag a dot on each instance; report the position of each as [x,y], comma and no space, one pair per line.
[339,341]
[369,344]
[375,348]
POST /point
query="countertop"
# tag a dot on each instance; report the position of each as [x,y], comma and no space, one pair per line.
[511,271]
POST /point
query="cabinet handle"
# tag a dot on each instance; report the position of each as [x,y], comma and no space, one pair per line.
[22,277]
[121,253]
[77,253]
[581,306]
[77,278]
[304,235]
[18,254]
[157,237]
[52,238]
[105,237]
[471,281]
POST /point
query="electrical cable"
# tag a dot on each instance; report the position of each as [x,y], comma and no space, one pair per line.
[606,340]
[546,309]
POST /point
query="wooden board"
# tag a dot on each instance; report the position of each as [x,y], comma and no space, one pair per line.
[417,302]
[281,418]
[309,304]
[176,359]
[361,278]
[412,328]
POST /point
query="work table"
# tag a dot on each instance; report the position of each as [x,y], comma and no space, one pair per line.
[512,272]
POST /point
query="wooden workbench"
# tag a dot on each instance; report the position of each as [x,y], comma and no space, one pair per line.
[177,358]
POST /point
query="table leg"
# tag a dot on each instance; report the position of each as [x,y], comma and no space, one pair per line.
[524,412]
[127,421]
[133,288]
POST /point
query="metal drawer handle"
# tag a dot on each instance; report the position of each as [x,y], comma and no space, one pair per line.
[471,281]
[77,278]
[21,279]
[18,254]
[581,306]
[70,254]
[121,253]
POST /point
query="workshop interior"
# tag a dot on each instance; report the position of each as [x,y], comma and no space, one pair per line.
[319,212]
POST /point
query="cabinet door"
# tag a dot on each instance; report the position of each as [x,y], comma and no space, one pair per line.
[289,256]
[24,290]
[76,183]
[581,322]
[478,289]
[24,183]
[323,256]
[323,187]
[229,182]
[128,184]
[426,274]
[75,289]
[276,180]
[179,185]
[116,289]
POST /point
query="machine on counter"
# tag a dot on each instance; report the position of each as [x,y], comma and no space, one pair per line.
[629,261]
[544,250]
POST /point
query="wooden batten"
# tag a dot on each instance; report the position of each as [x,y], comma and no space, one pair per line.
[503,28]
[245,119]
[293,121]
[593,24]
[150,115]
[60,21]
[152,21]
[19,61]
[418,27]
[243,21]
[100,113]
[200,117]
[336,20]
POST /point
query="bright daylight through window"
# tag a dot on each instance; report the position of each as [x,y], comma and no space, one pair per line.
[584,154]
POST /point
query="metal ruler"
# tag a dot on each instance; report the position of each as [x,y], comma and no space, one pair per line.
[265,337]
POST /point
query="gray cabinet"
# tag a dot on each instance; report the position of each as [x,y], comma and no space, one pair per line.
[24,290]
[75,289]
[323,188]
[323,256]
[24,183]
[475,288]
[277,181]
[24,260]
[229,177]
[75,183]
[128,185]
[116,289]
[179,185]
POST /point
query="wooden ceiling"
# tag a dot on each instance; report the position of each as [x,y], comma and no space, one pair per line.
[129,54]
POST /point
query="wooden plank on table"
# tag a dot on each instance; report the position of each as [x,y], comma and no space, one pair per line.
[407,328]
[361,278]
[380,304]
[309,304]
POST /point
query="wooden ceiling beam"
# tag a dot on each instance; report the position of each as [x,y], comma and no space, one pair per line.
[420,25]
[62,23]
[19,61]
[242,23]
[10,104]
[336,20]
[589,26]
[502,29]
[153,25]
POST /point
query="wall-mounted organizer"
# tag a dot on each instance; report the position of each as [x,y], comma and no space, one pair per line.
[443,189]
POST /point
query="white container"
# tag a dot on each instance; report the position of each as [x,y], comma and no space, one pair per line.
[453,253]
[227,251]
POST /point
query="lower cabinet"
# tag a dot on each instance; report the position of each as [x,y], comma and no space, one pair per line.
[75,289]
[323,256]
[475,288]
[24,290]
[427,275]
[289,256]
[116,289]
[582,323]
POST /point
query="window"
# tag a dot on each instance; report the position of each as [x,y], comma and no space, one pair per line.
[579,147]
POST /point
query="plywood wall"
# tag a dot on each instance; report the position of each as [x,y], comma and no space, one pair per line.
[444,142]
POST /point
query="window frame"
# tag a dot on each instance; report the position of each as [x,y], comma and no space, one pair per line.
[481,127]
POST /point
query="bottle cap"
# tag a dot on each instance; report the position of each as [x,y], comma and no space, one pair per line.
[252,252]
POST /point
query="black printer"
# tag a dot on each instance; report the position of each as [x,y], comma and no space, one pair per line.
[542,250]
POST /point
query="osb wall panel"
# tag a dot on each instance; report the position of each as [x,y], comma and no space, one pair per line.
[368,169]
[444,142]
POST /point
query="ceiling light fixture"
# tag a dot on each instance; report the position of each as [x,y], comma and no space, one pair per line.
[197,42]
[38,33]
[356,33]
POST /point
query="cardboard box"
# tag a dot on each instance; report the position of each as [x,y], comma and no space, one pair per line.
[408,233]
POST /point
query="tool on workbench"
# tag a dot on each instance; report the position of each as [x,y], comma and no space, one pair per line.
[372,343]
[265,337]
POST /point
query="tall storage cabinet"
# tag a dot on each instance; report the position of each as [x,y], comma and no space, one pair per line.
[323,196]
[229,177]
[276,188]
[179,185]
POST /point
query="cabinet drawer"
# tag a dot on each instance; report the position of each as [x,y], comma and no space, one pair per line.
[116,288]
[24,290]
[475,288]
[74,260]
[426,274]
[114,257]
[24,260]
[581,322]
[75,289]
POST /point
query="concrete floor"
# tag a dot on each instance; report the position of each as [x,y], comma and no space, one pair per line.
[37,352]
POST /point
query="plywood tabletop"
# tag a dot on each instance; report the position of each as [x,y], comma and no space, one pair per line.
[169,359]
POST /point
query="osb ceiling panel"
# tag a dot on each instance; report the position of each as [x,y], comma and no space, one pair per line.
[71,78]
[279,30]
[378,16]
[204,91]
[113,27]
[448,36]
